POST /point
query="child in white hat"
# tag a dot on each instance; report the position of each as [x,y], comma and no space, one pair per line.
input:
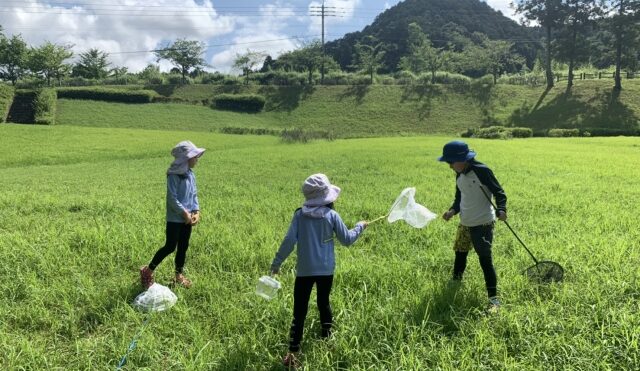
[313,228]
[183,212]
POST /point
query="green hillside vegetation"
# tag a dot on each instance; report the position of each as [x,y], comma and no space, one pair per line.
[83,209]
[378,110]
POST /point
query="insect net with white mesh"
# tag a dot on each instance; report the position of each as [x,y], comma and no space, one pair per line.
[405,208]
[156,299]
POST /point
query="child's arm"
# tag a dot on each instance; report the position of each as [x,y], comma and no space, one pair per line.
[488,179]
[172,198]
[287,245]
[345,236]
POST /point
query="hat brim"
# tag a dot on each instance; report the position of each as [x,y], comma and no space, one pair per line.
[462,158]
[330,197]
[196,152]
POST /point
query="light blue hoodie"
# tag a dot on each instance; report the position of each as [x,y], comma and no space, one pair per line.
[313,228]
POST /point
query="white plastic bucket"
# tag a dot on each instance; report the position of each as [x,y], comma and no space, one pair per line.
[267,287]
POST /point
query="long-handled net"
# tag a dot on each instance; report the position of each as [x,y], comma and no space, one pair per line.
[406,208]
[542,271]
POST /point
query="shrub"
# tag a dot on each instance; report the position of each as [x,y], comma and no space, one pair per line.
[213,78]
[559,133]
[493,132]
[108,95]
[44,106]
[405,78]
[610,132]
[452,79]
[521,132]
[6,98]
[176,79]
[302,136]
[280,78]
[249,131]
[251,103]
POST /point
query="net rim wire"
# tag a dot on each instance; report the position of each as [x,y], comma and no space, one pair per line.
[552,273]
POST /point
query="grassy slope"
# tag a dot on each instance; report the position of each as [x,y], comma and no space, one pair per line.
[74,232]
[378,110]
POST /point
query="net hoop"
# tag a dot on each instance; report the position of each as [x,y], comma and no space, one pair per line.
[545,272]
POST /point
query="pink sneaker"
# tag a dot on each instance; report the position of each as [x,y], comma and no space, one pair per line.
[180,279]
[146,277]
[291,361]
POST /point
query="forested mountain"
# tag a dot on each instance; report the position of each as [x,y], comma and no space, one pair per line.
[442,21]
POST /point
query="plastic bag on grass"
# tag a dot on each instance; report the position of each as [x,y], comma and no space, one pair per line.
[407,209]
[156,299]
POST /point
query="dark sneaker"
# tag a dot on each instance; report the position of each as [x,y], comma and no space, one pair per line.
[291,361]
[146,277]
[494,305]
[181,280]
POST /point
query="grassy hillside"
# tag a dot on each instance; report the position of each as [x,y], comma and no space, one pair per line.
[83,209]
[379,110]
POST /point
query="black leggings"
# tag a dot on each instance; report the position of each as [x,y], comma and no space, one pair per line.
[482,238]
[301,294]
[178,234]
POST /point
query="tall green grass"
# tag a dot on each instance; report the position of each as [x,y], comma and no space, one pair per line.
[83,209]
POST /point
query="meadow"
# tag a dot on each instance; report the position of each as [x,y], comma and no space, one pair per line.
[83,209]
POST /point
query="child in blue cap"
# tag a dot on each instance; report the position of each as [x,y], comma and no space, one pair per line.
[475,183]
[313,229]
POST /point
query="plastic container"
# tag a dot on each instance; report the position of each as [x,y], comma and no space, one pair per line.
[267,287]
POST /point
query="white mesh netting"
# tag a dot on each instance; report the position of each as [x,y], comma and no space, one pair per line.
[156,299]
[405,208]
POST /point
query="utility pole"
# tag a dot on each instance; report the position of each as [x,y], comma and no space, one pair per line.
[322,12]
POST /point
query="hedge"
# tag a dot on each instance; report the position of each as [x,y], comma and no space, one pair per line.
[6,98]
[251,103]
[498,132]
[44,106]
[558,133]
[108,95]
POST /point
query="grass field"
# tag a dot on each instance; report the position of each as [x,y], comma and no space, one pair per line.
[83,209]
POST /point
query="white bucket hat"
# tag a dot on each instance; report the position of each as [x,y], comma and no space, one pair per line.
[318,191]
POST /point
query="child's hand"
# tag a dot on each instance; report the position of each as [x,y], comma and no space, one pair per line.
[448,214]
[195,218]
[502,215]
[275,271]
[187,217]
[363,223]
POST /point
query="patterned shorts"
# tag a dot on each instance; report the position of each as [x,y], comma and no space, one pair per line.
[464,243]
[463,239]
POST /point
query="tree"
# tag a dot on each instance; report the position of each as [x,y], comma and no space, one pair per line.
[306,59]
[369,58]
[92,65]
[572,45]
[547,13]
[422,56]
[184,54]
[14,58]
[492,56]
[626,13]
[269,64]
[47,61]
[118,72]
[247,62]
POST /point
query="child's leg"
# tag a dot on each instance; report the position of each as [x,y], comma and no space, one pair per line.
[324,284]
[172,235]
[301,293]
[183,245]
[461,246]
[482,237]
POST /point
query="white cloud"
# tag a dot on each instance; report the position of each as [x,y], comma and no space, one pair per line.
[119,27]
[336,12]
[503,6]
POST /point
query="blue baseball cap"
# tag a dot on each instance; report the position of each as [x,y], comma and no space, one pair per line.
[456,151]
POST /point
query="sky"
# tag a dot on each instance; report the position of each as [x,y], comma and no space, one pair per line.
[129,30]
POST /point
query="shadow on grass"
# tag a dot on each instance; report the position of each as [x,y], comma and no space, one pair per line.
[603,111]
[423,95]
[285,98]
[358,92]
[438,308]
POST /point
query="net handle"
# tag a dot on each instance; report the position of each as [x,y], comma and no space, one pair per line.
[508,226]
[376,219]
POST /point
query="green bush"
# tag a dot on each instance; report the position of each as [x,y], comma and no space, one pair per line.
[44,106]
[452,79]
[609,132]
[6,98]
[108,95]
[280,78]
[250,131]
[302,136]
[521,132]
[493,132]
[560,133]
[405,78]
[250,103]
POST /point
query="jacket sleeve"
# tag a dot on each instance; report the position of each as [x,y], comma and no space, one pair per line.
[456,202]
[287,245]
[345,236]
[196,203]
[486,177]
[172,194]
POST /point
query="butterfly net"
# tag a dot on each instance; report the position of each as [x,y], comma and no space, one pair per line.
[405,208]
[156,299]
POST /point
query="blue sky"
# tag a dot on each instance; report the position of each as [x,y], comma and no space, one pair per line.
[129,29]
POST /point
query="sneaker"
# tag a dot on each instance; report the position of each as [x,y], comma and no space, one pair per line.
[291,361]
[494,305]
[146,277]
[181,280]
